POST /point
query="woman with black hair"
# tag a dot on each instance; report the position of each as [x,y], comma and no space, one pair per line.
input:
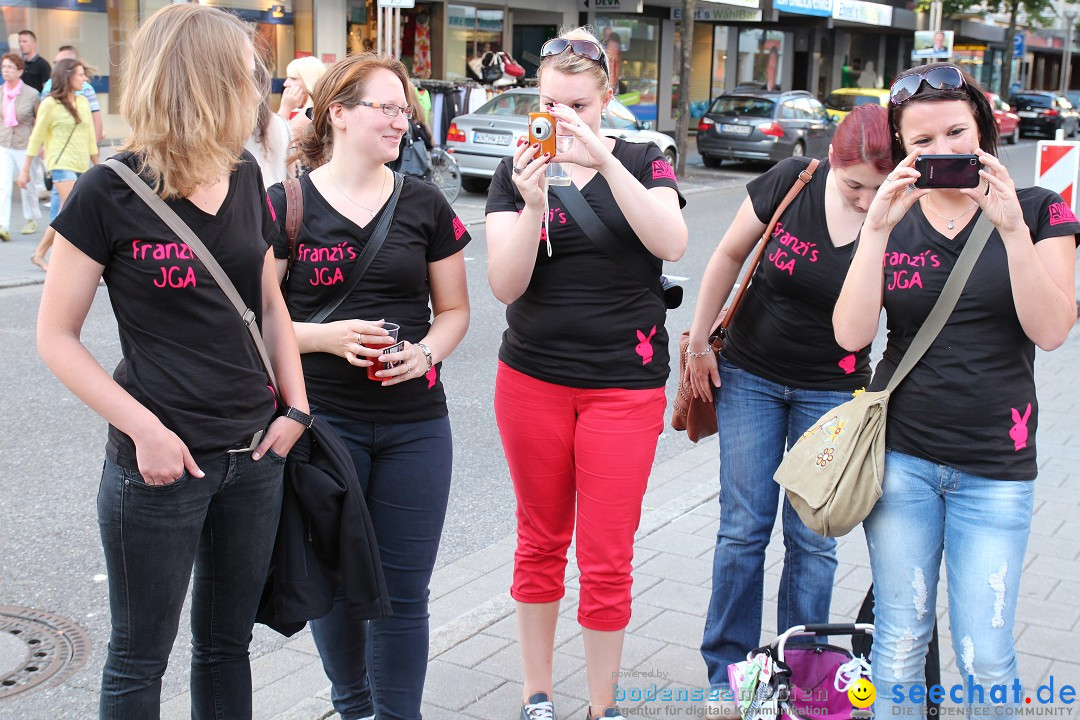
[960,463]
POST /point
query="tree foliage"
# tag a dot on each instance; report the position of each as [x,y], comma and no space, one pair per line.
[1038,12]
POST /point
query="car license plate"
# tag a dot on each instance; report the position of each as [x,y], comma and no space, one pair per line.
[736,129]
[1027,114]
[483,138]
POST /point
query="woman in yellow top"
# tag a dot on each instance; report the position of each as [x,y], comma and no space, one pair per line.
[66,129]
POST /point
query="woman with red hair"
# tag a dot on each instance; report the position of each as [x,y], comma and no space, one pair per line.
[780,370]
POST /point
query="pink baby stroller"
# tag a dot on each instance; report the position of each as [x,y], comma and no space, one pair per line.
[800,681]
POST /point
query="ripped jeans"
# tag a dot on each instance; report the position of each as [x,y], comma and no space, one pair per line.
[982,526]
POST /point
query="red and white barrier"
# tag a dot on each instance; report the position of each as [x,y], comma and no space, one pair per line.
[1056,165]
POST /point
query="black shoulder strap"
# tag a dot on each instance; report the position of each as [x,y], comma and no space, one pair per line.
[631,261]
[366,256]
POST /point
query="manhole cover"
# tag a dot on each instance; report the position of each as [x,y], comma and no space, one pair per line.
[37,647]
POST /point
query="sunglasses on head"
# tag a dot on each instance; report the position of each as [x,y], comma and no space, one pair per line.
[945,77]
[587,49]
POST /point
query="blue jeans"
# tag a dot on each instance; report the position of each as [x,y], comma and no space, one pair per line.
[758,419]
[981,526]
[54,198]
[224,524]
[404,472]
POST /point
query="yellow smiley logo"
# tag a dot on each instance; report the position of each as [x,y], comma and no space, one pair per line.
[862,693]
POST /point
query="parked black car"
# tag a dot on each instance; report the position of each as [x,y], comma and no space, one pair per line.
[752,124]
[1044,113]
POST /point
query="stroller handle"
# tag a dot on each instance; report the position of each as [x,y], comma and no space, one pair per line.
[838,629]
[821,629]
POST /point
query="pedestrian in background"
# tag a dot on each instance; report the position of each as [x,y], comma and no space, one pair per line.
[64,127]
[579,395]
[393,419]
[68,52]
[37,69]
[19,104]
[779,371]
[195,456]
[269,142]
[36,73]
[960,461]
[301,75]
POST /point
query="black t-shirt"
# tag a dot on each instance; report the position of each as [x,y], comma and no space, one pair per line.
[783,330]
[395,288]
[37,71]
[187,355]
[970,403]
[584,321]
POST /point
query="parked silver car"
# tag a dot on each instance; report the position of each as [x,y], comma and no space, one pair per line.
[481,139]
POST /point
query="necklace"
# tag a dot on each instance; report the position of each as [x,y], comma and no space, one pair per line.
[362,207]
[951,221]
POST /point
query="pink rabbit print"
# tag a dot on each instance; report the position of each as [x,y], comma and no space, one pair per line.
[847,364]
[432,376]
[644,347]
[1019,431]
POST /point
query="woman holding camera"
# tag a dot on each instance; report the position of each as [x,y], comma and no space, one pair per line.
[579,396]
[197,438]
[960,463]
[780,370]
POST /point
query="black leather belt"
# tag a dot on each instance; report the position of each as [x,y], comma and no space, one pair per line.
[248,444]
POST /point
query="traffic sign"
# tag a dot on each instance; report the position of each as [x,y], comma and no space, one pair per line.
[1018,45]
[1056,166]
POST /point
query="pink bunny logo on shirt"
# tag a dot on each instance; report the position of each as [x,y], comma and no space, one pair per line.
[847,364]
[644,347]
[1019,431]
[431,376]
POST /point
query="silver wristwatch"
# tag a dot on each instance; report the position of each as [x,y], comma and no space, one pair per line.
[427,353]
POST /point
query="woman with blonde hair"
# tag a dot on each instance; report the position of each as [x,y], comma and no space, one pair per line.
[388,405]
[579,395]
[300,77]
[65,127]
[197,438]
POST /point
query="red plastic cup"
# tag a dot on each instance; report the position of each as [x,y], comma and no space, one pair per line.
[376,366]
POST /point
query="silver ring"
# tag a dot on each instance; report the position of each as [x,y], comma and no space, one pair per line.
[360,338]
[518,170]
[408,367]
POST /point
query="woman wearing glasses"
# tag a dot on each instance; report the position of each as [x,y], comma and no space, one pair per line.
[579,394]
[780,370]
[960,464]
[396,424]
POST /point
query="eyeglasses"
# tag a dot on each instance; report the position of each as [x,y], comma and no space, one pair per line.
[387,109]
[945,77]
[587,49]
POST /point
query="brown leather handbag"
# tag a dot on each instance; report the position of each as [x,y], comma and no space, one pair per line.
[694,415]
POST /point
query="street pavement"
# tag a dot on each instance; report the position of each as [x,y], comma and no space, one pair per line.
[474,669]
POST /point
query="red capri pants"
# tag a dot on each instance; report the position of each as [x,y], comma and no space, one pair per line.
[593,448]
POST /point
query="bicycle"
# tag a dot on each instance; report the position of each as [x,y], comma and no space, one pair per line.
[445,173]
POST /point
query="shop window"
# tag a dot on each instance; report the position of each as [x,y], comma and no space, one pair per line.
[470,33]
[761,55]
[633,49]
[719,63]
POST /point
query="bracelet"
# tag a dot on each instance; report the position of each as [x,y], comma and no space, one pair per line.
[427,353]
[701,354]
